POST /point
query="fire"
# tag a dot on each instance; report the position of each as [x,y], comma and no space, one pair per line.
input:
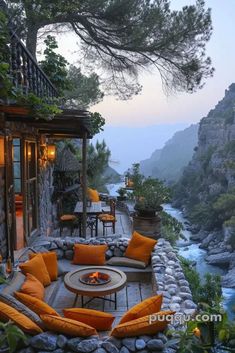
[94,277]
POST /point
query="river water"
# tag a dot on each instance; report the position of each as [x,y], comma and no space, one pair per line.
[190,250]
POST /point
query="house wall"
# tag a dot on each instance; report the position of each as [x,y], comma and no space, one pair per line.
[45,190]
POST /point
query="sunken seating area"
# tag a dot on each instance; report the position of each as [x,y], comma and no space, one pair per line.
[163,276]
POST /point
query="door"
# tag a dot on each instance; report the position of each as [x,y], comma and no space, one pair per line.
[30,189]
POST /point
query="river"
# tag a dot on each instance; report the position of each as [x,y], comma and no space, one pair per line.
[190,250]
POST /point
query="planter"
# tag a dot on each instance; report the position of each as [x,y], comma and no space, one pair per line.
[147,226]
[148,212]
[15,109]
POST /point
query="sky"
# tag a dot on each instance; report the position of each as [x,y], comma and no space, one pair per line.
[135,128]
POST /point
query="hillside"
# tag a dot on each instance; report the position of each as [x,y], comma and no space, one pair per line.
[206,191]
[168,162]
[111,175]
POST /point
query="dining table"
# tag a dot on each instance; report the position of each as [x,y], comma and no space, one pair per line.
[92,209]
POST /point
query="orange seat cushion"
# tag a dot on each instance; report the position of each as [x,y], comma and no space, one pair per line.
[140,247]
[33,287]
[89,254]
[67,326]
[22,321]
[68,217]
[146,325]
[50,259]
[35,304]
[93,195]
[98,319]
[37,268]
[146,307]
[107,218]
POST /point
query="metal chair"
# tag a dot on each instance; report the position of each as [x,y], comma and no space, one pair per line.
[66,220]
[108,219]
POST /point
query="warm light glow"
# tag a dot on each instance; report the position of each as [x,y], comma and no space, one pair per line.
[29,152]
[197,332]
[2,150]
[51,152]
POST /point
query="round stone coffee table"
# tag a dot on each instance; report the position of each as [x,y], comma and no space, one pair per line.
[109,280]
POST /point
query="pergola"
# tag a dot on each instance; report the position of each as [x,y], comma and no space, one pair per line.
[71,123]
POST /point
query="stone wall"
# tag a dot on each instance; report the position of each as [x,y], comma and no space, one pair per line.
[45,189]
[3,242]
[168,279]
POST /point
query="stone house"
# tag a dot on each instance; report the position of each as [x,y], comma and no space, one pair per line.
[27,153]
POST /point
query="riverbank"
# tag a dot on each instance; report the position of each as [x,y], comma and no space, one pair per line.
[191,251]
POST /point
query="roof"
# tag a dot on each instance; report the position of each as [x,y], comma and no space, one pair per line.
[71,123]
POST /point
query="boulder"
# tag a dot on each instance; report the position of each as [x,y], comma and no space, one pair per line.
[221,259]
[228,280]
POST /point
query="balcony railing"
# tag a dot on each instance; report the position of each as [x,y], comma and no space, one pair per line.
[25,72]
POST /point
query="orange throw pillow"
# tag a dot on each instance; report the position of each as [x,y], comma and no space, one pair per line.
[33,287]
[140,247]
[93,195]
[67,326]
[98,319]
[35,304]
[146,307]
[50,259]
[22,321]
[89,254]
[37,268]
[147,325]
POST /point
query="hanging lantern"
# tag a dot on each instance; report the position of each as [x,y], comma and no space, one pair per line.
[51,151]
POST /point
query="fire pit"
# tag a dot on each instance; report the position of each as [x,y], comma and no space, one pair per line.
[95,282]
[95,278]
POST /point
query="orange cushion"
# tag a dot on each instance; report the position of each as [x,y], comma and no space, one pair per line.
[68,217]
[33,287]
[140,247]
[146,307]
[35,304]
[37,268]
[67,326]
[93,195]
[50,259]
[142,326]
[89,254]
[106,217]
[8,313]
[98,319]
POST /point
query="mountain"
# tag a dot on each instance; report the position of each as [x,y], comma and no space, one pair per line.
[168,163]
[112,175]
[206,191]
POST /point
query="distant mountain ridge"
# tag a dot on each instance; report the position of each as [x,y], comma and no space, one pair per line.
[168,163]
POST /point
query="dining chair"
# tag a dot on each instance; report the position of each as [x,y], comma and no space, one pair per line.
[109,219]
[66,219]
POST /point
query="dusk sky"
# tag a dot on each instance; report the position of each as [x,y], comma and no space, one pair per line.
[135,128]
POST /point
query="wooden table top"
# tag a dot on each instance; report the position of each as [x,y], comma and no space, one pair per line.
[95,208]
[117,282]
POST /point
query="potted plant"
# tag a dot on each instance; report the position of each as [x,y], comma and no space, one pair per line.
[122,194]
[149,196]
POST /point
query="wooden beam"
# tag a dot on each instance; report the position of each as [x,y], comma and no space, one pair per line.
[84,183]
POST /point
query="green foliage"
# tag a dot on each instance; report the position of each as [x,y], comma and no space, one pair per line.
[5,79]
[204,214]
[210,292]
[97,161]
[39,107]
[97,123]
[11,336]
[124,36]
[205,159]
[148,193]
[191,275]
[122,192]
[171,228]
[55,66]
[84,91]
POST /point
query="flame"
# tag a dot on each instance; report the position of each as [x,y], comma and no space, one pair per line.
[93,278]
